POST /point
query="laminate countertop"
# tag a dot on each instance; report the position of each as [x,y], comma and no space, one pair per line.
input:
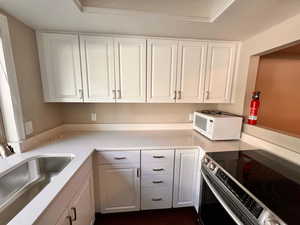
[81,145]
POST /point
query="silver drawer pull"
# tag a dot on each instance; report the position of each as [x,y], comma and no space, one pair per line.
[160,169]
[156,199]
[119,158]
[157,182]
[158,157]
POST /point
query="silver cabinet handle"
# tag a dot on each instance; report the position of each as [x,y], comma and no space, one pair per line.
[157,182]
[156,199]
[206,94]
[114,94]
[74,214]
[179,94]
[175,95]
[138,172]
[70,220]
[119,94]
[119,158]
[80,93]
[158,157]
[160,169]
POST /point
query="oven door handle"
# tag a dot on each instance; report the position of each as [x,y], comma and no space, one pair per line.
[219,198]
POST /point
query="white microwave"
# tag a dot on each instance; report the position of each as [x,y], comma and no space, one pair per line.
[218,126]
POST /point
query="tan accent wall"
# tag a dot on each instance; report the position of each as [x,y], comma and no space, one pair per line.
[278,80]
[131,113]
[44,116]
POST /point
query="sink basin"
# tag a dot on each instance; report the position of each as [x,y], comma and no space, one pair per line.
[22,183]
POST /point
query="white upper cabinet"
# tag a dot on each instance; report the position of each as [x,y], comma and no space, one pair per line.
[220,70]
[161,70]
[60,67]
[130,68]
[97,56]
[96,68]
[191,71]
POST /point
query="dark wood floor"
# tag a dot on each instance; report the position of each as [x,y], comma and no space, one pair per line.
[180,216]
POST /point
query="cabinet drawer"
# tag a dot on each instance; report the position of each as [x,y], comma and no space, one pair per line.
[117,157]
[158,156]
[157,181]
[156,198]
[156,169]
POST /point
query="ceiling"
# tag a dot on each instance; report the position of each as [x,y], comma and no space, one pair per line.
[187,10]
[241,20]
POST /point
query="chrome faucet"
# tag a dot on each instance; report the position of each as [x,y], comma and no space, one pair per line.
[6,150]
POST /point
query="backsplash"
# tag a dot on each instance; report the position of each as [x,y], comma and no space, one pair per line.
[131,113]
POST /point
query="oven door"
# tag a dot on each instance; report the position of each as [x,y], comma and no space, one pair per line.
[211,211]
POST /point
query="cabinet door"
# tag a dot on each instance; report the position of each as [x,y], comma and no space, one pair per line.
[161,70]
[130,67]
[185,177]
[65,218]
[220,71]
[191,71]
[98,68]
[60,67]
[120,188]
[82,208]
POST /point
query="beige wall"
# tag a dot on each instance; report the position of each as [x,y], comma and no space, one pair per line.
[276,37]
[44,116]
[278,80]
[131,113]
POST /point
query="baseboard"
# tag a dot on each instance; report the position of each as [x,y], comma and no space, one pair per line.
[129,127]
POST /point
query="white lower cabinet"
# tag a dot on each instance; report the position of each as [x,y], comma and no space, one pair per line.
[65,219]
[147,179]
[157,179]
[120,188]
[185,177]
[81,211]
[118,181]
[83,207]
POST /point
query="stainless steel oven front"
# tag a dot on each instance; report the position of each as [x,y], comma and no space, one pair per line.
[211,211]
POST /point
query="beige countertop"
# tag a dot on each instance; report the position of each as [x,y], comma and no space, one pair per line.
[82,144]
[133,140]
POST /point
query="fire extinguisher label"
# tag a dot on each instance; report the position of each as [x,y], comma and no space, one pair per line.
[252,117]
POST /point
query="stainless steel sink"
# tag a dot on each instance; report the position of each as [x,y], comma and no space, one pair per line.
[22,183]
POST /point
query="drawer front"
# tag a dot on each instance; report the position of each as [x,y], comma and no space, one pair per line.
[156,198]
[157,181]
[156,169]
[158,156]
[117,157]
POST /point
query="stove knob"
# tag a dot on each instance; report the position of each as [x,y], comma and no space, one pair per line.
[271,221]
[206,160]
[212,166]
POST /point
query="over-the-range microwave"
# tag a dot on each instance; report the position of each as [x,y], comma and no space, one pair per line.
[218,126]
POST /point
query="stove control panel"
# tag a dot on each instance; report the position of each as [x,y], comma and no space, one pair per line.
[239,193]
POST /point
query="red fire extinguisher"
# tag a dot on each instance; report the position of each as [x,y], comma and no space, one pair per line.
[254,105]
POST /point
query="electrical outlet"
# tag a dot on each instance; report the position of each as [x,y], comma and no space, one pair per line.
[191,116]
[93,116]
[28,127]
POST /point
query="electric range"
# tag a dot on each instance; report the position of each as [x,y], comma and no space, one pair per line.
[254,187]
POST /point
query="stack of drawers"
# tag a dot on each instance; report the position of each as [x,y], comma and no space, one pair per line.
[157,179]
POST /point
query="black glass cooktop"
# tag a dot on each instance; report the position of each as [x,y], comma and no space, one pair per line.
[273,180]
